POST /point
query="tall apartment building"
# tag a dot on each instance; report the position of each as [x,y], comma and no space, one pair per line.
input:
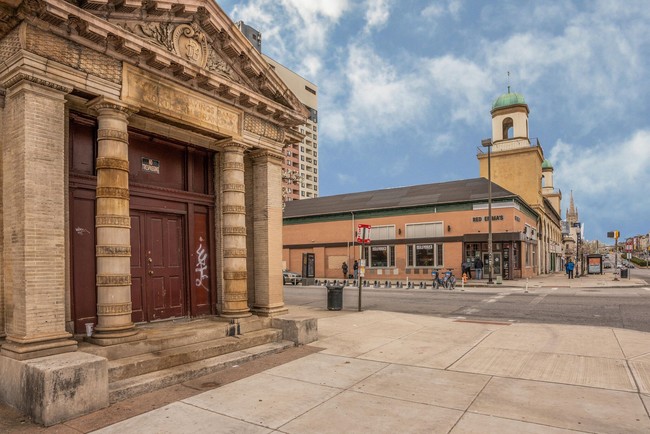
[300,170]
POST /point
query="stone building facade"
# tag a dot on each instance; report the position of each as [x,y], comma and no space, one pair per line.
[142,145]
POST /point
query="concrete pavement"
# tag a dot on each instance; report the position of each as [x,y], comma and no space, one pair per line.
[378,372]
[390,372]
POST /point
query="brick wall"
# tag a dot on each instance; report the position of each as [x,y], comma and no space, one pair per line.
[33,208]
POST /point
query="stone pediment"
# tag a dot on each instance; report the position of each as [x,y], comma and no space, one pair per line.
[191,41]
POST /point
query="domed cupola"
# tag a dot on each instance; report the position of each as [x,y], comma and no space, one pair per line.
[510,122]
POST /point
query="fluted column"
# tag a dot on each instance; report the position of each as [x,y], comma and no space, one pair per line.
[235,297]
[112,224]
[267,227]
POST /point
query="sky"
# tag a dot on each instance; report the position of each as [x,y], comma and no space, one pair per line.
[405,89]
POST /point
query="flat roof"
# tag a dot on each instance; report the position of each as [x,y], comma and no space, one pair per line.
[466,190]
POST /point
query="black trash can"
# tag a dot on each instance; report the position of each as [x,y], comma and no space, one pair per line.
[334,297]
[624,273]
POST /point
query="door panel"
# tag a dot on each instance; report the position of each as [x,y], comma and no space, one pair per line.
[157,270]
[137,268]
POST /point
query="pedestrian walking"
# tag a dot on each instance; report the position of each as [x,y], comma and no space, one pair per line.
[344,267]
[569,268]
[478,267]
[467,268]
[355,269]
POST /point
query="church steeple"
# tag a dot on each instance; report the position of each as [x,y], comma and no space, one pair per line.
[572,212]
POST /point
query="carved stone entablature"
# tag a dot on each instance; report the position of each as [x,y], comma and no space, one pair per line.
[191,41]
[261,127]
[187,41]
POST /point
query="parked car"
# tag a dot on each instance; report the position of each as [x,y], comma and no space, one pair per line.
[290,278]
[607,265]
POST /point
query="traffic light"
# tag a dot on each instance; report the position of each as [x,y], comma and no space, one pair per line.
[616,234]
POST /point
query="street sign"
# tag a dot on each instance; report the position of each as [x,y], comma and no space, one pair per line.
[363,233]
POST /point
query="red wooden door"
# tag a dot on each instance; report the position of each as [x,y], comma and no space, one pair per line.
[157,271]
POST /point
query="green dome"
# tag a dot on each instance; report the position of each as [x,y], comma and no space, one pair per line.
[508,99]
[546,164]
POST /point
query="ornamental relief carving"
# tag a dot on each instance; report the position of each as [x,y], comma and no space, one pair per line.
[187,41]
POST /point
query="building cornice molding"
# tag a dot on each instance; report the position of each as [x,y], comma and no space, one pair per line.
[262,91]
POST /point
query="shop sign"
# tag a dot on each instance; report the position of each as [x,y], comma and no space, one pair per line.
[486,218]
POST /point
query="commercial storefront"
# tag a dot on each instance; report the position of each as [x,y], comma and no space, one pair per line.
[414,230]
[141,164]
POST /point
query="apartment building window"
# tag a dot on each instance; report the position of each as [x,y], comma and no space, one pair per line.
[425,255]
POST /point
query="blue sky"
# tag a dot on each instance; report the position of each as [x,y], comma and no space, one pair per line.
[406,88]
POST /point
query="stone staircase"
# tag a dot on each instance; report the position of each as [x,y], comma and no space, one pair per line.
[177,351]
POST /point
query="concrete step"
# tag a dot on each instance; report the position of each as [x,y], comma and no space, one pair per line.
[139,364]
[129,387]
[165,335]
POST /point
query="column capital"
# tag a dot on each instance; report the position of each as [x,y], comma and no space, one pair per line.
[102,104]
[260,156]
[231,145]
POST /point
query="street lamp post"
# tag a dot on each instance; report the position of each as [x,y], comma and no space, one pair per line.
[488,144]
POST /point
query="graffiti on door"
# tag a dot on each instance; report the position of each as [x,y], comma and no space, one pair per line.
[201,265]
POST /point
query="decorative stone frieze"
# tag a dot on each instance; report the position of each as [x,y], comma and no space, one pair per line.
[113,251]
[264,128]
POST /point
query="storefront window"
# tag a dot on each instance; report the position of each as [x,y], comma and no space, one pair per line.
[425,255]
[380,256]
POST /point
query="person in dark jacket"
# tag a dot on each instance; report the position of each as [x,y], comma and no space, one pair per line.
[478,267]
[344,267]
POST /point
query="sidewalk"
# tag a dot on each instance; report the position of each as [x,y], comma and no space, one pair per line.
[384,372]
[388,372]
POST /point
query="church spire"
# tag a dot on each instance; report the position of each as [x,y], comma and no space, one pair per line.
[572,212]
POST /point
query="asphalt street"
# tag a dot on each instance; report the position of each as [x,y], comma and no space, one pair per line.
[627,308]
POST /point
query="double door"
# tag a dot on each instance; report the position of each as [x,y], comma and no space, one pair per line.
[157,266]
[496,271]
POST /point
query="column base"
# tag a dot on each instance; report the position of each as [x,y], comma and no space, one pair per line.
[115,338]
[57,388]
[269,311]
[33,350]
[236,314]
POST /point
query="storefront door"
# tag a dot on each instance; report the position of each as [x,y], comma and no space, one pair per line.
[496,271]
[157,266]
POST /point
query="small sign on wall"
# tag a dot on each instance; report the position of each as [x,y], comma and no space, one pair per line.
[150,165]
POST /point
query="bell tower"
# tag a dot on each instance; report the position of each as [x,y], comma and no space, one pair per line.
[516,160]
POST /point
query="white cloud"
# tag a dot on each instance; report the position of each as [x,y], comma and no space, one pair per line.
[462,86]
[376,96]
[377,14]
[610,179]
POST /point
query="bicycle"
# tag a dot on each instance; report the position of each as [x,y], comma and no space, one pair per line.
[437,281]
[449,280]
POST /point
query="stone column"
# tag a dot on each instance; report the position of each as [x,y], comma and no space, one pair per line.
[113,224]
[2,287]
[33,185]
[267,227]
[235,297]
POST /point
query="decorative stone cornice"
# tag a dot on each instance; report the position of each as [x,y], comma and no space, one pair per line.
[194,42]
[22,76]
